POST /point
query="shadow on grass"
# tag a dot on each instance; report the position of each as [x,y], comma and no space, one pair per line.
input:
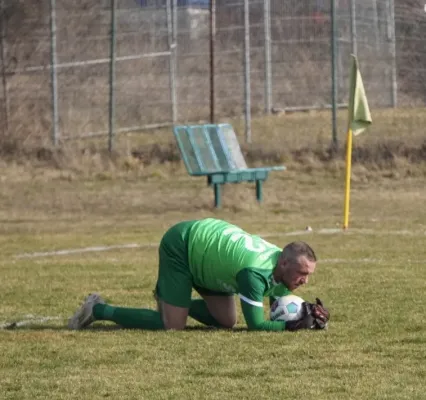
[109,328]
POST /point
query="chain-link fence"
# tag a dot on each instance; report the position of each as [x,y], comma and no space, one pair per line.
[82,68]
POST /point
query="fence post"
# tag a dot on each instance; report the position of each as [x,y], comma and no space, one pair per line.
[3,66]
[376,25]
[212,59]
[391,36]
[247,91]
[354,44]
[111,111]
[175,27]
[175,20]
[334,73]
[53,74]
[268,84]
[171,39]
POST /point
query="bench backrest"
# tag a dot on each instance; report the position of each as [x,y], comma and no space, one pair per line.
[209,148]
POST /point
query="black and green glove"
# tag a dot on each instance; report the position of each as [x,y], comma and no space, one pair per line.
[315,316]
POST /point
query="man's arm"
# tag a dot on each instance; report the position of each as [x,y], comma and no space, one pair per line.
[255,319]
[251,287]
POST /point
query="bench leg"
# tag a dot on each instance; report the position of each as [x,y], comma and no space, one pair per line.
[217,200]
[259,195]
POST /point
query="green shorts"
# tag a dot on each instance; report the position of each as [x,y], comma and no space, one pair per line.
[175,282]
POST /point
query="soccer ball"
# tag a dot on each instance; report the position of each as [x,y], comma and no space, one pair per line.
[287,308]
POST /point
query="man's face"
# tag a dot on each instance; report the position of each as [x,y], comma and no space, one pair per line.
[294,273]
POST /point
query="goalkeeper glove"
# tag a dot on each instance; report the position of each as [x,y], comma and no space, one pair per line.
[314,316]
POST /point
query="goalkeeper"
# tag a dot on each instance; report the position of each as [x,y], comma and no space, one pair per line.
[218,260]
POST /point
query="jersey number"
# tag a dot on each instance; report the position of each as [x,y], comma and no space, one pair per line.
[249,244]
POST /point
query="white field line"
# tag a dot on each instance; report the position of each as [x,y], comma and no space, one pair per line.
[264,235]
[85,250]
[27,321]
[332,231]
[367,261]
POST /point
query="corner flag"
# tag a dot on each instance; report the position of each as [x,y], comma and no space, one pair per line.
[359,118]
[359,112]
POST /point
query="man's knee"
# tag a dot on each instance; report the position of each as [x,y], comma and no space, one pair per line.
[173,325]
[174,318]
[223,310]
[228,321]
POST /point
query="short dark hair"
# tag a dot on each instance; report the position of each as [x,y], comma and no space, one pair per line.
[296,249]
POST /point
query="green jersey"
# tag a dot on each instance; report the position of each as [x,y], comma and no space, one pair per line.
[223,257]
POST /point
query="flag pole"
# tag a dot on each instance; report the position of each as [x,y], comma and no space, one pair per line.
[352,86]
[348,178]
[359,119]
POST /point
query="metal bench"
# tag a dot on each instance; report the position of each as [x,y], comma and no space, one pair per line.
[213,151]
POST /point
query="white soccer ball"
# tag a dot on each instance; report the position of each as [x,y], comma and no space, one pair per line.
[287,308]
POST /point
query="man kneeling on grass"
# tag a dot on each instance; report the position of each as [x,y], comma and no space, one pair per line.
[218,260]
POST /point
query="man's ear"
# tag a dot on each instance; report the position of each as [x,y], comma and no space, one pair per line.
[283,262]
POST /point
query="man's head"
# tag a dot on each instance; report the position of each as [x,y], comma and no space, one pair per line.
[295,264]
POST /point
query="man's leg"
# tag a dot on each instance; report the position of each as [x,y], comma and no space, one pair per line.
[199,311]
[172,314]
[214,309]
[129,318]
[94,308]
[222,309]
[173,317]
[174,286]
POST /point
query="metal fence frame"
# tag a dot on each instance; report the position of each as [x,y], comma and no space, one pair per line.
[171,53]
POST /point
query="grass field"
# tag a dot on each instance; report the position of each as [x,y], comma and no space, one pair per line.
[373,279]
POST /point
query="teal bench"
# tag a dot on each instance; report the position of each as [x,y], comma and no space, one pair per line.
[213,151]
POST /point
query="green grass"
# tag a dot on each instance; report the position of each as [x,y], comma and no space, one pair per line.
[373,279]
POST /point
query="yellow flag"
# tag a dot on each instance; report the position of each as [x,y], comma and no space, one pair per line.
[359,119]
[359,112]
